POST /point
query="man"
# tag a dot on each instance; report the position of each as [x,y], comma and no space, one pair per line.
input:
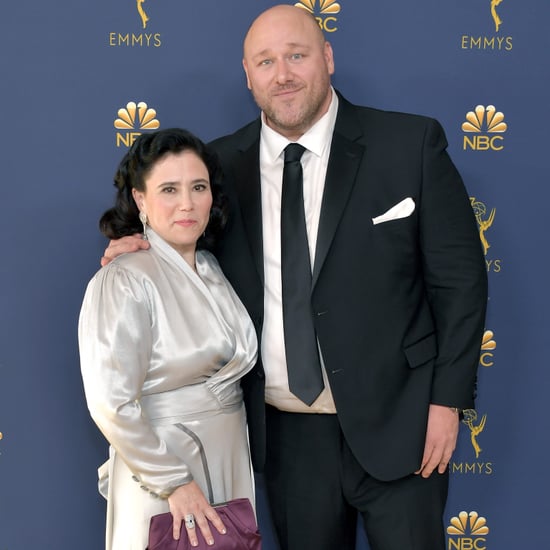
[398,295]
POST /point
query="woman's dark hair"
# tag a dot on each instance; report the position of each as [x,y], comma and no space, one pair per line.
[146,151]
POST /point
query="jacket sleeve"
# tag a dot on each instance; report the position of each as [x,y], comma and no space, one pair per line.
[454,271]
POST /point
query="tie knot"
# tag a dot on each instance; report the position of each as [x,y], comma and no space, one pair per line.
[293,152]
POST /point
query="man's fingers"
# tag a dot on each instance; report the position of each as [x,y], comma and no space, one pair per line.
[430,461]
[445,459]
[426,458]
[131,243]
[429,468]
[438,459]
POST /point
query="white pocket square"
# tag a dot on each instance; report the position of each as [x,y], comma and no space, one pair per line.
[400,210]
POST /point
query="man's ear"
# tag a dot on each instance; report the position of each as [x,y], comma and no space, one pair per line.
[329,58]
[245,67]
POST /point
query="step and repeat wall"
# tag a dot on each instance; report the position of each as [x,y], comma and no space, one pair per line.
[80,80]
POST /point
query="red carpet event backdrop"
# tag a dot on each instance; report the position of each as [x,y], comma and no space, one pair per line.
[80,80]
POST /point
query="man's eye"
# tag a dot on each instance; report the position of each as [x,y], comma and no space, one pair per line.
[296,56]
[265,62]
[168,189]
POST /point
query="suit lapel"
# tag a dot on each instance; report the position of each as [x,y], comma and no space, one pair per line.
[247,183]
[345,157]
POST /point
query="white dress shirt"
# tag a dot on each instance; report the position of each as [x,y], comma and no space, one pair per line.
[317,141]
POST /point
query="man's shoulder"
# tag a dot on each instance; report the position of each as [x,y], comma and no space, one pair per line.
[373,116]
[242,138]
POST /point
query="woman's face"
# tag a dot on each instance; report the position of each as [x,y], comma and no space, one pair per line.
[177,201]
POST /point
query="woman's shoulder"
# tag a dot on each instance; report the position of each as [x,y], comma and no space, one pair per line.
[132,265]
[131,276]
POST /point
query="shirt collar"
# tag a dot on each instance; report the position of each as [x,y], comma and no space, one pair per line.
[316,139]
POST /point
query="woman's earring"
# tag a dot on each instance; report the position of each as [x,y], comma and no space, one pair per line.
[143,220]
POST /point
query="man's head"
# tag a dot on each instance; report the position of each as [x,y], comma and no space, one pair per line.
[288,64]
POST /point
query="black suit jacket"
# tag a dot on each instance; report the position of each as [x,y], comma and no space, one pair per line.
[398,306]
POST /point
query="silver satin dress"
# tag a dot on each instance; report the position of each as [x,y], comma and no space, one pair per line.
[162,350]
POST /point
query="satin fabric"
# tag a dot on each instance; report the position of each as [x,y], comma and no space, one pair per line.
[162,349]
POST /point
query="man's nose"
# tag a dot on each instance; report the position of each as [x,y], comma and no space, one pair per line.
[284,74]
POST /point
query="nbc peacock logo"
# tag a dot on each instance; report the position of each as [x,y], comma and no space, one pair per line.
[324,11]
[467,531]
[488,346]
[132,120]
[484,120]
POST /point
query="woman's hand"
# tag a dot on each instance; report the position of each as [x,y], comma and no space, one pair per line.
[189,499]
[116,247]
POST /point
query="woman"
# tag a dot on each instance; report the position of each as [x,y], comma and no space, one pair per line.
[163,342]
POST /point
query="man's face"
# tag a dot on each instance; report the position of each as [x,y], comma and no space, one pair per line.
[288,66]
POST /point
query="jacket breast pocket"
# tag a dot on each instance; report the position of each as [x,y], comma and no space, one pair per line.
[395,244]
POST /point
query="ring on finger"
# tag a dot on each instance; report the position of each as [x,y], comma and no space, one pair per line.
[189,521]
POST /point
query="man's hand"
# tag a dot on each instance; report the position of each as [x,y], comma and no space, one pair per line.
[440,440]
[122,246]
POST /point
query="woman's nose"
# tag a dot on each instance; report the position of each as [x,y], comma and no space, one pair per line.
[186,201]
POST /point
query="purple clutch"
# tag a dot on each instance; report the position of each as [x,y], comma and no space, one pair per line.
[237,516]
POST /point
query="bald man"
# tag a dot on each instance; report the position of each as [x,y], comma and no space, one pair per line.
[398,296]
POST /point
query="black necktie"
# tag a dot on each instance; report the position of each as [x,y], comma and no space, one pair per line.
[302,355]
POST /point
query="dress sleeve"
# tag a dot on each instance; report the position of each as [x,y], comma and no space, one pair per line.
[115,341]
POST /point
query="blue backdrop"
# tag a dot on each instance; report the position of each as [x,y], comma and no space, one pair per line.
[71,75]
